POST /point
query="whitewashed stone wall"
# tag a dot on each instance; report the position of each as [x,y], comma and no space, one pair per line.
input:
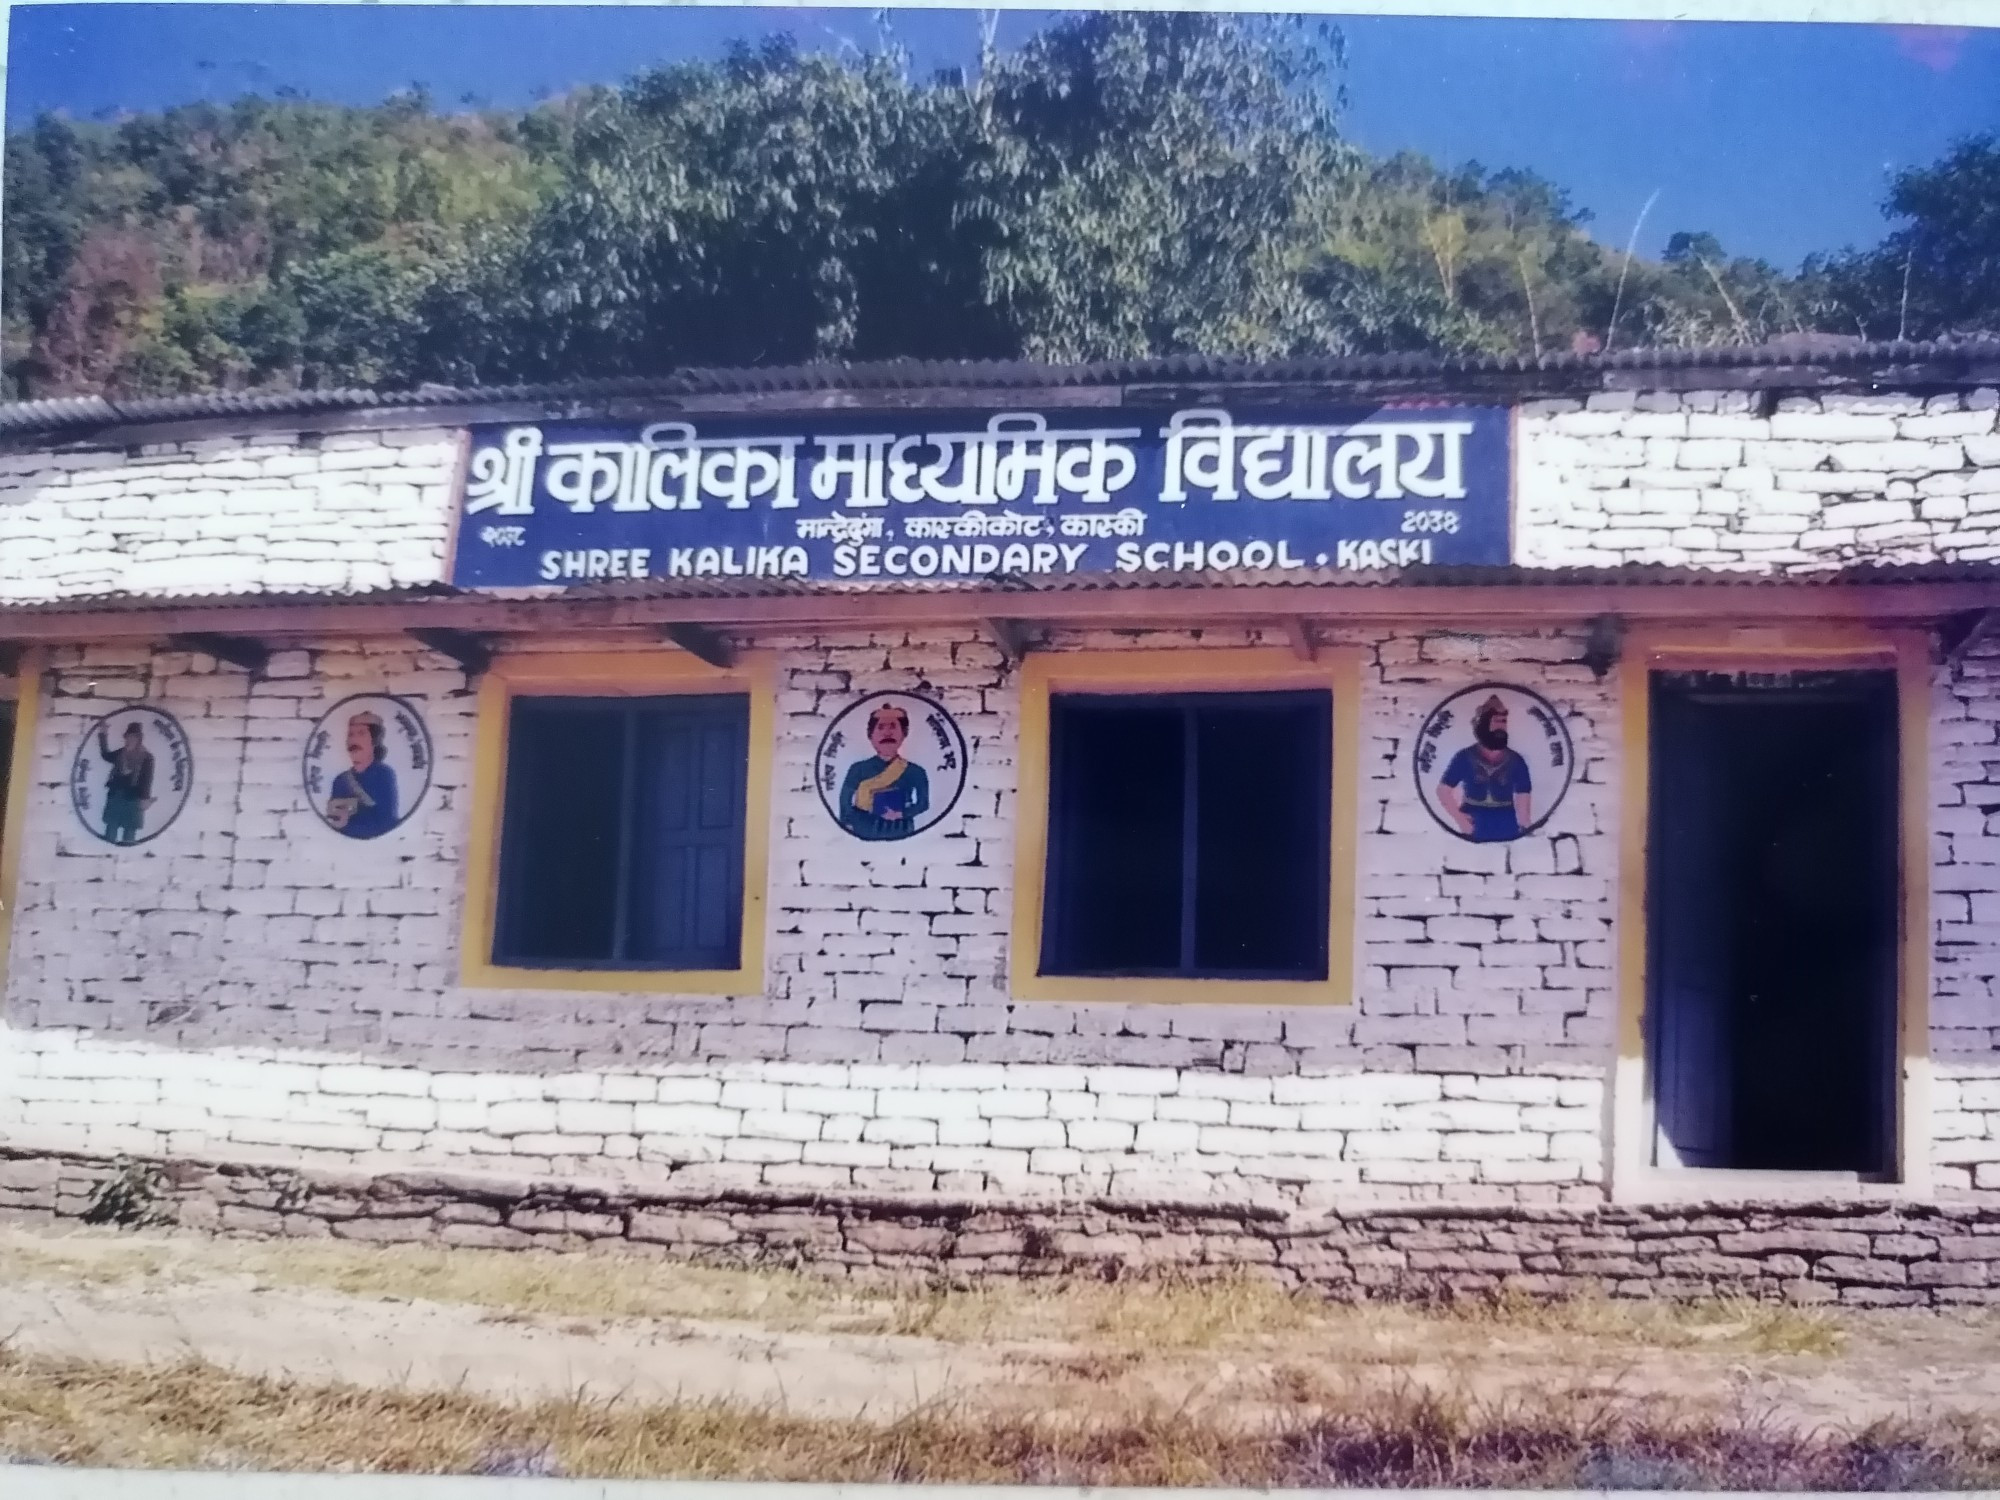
[1965,915]
[250,985]
[1701,479]
[250,981]
[1696,478]
[349,513]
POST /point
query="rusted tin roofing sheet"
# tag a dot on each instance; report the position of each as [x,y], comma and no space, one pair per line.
[1646,575]
[1812,360]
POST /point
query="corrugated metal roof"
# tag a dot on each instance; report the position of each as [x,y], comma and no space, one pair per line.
[1630,575]
[1638,575]
[1822,353]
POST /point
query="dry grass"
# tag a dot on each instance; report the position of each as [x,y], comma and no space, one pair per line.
[193,1415]
[1153,1315]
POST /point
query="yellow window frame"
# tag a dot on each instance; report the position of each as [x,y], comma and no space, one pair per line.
[23,689]
[1809,646]
[1193,669]
[606,674]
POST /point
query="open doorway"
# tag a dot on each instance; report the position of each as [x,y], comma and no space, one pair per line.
[1772,898]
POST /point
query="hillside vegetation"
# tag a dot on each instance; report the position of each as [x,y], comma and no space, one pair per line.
[1121,185]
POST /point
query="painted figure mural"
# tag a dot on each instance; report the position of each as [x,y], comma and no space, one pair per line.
[363,804]
[1513,775]
[367,765]
[1487,788]
[128,790]
[885,796]
[131,775]
[911,779]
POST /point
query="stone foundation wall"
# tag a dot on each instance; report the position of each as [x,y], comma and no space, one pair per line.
[1853,1254]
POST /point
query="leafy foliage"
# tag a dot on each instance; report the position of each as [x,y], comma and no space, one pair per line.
[1124,184]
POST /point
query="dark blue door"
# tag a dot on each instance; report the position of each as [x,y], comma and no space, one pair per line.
[1691,938]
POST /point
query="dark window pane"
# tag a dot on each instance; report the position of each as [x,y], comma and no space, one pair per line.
[686,898]
[1261,779]
[623,838]
[559,852]
[1114,893]
[1188,835]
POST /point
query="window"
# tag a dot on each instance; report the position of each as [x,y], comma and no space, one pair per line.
[1186,826]
[623,841]
[620,832]
[1188,835]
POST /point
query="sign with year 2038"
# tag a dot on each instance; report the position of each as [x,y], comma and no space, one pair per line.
[920,495]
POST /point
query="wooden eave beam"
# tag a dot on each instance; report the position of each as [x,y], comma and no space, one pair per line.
[247,652]
[1469,607]
[700,642]
[471,652]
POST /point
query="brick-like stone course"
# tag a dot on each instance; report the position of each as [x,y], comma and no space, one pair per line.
[251,985]
[1855,1254]
[350,513]
[1710,479]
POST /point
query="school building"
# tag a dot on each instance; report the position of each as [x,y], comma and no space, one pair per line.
[1402,823]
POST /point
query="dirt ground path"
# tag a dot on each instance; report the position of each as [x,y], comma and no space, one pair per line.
[516,1328]
[326,1338]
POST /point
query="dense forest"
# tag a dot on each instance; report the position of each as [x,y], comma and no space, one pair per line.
[1122,184]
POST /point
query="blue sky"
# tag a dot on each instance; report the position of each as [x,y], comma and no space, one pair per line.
[1777,138]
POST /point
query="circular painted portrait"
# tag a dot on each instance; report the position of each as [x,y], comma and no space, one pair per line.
[368,765]
[1493,762]
[890,766]
[132,775]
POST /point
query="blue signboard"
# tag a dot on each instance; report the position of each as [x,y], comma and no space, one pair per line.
[943,496]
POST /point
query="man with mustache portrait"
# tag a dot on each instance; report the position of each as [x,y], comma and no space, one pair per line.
[1486,788]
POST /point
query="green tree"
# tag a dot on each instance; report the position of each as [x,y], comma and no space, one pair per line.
[1938,273]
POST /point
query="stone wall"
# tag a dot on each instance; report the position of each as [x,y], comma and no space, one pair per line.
[250,981]
[1701,478]
[345,514]
[1855,1254]
[1711,479]
[1965,924]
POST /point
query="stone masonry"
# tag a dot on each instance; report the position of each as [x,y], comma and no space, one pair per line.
[312,1003]
[1855,1254]
[251,988]
[1702,478]
[347,513]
